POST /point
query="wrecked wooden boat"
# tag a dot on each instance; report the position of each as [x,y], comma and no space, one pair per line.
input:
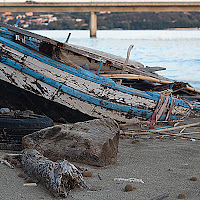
[81,91]
[90,59]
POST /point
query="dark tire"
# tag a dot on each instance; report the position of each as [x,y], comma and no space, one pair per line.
[12,130]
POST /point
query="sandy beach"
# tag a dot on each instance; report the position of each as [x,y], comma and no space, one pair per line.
[165,164]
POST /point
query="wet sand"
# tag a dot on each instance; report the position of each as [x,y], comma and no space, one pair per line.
[164,165]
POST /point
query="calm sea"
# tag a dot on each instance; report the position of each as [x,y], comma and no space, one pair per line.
[176,50]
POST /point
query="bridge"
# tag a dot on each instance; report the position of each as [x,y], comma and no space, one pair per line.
[93,7]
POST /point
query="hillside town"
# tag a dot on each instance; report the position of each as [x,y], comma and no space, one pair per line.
[106,20]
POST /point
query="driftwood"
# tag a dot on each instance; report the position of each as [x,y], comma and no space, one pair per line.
[136,77]
[177,135]
[126,62]
[175,128]
[190,133]
[160,196]
[58,177]
[192,89]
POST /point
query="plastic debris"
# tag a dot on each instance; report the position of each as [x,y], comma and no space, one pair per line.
[129,180]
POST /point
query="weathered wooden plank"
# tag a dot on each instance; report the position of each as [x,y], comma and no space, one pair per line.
[79,83]
[115,61]
[153,69]
[177,127]
[136,77]
[77,89]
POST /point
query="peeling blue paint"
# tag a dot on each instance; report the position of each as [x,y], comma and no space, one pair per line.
[87,74]
[78,72]
[80,95]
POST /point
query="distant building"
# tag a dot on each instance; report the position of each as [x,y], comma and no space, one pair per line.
[29,14]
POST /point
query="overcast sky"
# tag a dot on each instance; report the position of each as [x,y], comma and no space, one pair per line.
[57,1]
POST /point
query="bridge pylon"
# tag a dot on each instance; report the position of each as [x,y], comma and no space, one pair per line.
[93,24]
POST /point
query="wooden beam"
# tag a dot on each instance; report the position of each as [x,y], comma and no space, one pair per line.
[136,77]
[175,128]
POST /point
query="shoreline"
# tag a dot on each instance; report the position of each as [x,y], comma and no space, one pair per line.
[165,164]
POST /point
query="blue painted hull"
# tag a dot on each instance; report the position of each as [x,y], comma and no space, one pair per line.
[120,102]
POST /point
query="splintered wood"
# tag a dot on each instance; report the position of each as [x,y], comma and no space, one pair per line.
[58,177]
[162,130]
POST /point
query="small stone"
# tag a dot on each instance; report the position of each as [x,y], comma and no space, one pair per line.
[87,174]
[151,138]
[193,179]
[22,175]
[128,188]
[135,141]
[18,165]
[30,180]
[181,196]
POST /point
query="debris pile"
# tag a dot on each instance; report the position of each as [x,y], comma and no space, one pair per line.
[161,130]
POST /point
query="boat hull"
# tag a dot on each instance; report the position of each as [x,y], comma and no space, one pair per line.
[78,89]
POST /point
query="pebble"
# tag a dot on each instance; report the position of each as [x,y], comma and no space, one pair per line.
[30,180]
[128,188]
[181,196]
[87,174]
[135,141]
[193,179]
[22,175]
[18,165]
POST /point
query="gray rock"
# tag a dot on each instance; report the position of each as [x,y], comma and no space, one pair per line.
[93,142]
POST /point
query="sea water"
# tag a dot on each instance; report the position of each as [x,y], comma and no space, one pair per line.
[176,50]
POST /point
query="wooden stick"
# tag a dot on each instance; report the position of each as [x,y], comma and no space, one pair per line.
[7,163]
[177,135]
[192,89]
[13,155]
[126,62]
[189,133]
[175,128]
[30,184]
[136,133]
[136,77]
[160,196]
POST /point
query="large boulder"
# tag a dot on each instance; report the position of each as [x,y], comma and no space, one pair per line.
[93,142]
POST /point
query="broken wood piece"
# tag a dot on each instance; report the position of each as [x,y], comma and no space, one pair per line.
[58,177]
[192,89]
[30,184]
[129,180]
[10,155]
[190,133]
[126,62]
[175,128]
[153,69]
[135,133]
[7,164]
[182,130]
[160,196]
[136,77]
[177,135]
